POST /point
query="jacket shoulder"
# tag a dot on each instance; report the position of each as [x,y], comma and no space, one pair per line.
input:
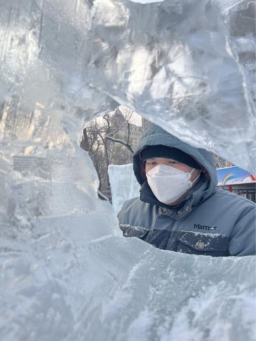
[136,212]
[234,198]
[132,218]
[130,203]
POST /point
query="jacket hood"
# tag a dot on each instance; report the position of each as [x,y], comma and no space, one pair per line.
[155,135]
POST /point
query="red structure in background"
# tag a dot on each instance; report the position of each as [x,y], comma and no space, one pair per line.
[237,180]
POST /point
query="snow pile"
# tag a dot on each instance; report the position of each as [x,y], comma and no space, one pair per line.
[66,271]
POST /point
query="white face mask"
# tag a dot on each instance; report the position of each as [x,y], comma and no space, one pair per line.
[168,183]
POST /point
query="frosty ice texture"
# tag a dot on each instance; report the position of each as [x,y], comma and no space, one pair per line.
[189,67]
[66,272]
[73,282]
[176,63]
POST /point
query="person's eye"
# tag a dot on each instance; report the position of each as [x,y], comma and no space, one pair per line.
[151,163]
[173,162]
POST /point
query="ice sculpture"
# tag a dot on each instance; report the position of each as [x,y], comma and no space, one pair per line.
[177,64]
[198,78]
[123,184]
[66,272]
[70,284]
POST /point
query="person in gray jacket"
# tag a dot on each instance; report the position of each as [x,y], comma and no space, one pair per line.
[180,207]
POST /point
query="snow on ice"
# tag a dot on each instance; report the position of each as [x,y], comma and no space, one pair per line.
[66,271]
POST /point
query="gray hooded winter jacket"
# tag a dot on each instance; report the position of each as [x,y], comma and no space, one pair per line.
[210,221]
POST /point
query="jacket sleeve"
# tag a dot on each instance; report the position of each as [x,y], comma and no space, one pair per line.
[243,237]
[124,217]
[128,216]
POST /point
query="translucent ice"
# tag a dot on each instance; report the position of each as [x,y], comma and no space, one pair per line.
[66,271]
[190,68]
[75,282]
[123,184]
